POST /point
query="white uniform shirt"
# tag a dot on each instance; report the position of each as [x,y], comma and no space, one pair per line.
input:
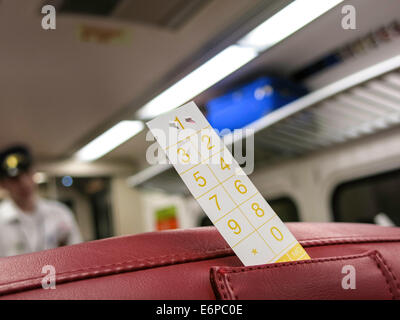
[51,225]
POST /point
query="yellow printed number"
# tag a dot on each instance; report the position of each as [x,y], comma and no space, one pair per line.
[224,165]
[257,210]
[185,156]
[198,178]
[234,226]
[216,200]
[209,146]
[240,187]
[276,233]
[180,123]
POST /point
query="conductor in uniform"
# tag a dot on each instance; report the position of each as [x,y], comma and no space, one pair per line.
[29,223]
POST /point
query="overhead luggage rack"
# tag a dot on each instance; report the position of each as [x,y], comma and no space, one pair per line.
[359,105]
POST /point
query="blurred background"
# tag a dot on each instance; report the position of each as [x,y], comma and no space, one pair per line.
[320,85]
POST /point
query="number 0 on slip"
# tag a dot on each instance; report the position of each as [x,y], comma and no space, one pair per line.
[225,193]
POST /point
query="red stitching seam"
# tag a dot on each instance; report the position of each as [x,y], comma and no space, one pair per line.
[291,263]
[226,270]
[333,241]
[353,237]
[113,268]
[375,258]
[229,283]
[225,293]
[218,281]
[393,275]
[391,278]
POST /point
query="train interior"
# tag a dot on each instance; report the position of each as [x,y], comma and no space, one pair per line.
[328,152]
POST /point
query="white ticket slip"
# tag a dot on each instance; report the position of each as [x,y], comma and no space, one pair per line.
[225,193]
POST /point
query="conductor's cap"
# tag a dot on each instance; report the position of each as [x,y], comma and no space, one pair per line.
[14,161]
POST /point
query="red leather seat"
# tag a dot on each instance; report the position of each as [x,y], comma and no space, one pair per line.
[198,264]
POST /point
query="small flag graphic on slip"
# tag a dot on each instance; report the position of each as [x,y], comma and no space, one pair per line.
[190,120]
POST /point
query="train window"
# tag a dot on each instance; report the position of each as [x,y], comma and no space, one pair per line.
[285,208]
[363,199]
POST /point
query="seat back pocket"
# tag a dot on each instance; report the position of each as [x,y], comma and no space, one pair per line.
[362,276]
